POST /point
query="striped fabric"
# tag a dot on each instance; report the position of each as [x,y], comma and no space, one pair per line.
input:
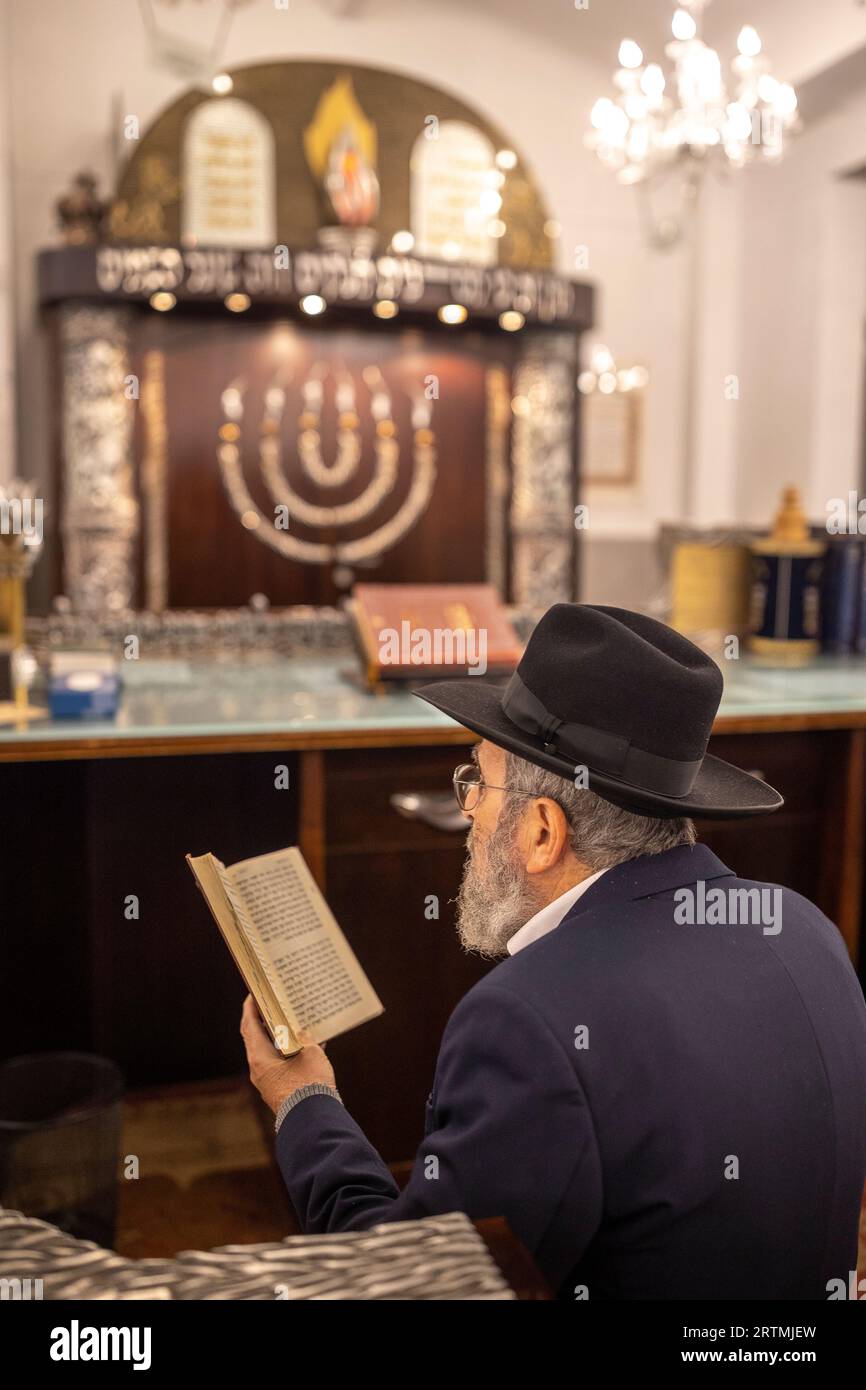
[439,1257]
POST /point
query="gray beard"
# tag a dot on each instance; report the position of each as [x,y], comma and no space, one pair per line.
[496,896]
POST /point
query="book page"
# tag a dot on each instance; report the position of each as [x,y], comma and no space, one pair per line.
[230,916]
[309,961]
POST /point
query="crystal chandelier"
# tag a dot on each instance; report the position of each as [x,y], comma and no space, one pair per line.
[692,114]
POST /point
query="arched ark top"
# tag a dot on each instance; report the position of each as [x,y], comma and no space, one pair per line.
[422,141]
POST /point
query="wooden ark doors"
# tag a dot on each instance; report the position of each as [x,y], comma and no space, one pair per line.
[375,445]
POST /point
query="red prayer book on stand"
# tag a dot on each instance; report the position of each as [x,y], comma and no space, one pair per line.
[430,631]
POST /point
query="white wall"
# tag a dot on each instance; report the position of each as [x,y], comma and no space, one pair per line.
[803,312]
[68,60]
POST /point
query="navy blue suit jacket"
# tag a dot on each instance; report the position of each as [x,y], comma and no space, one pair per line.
[659,1110]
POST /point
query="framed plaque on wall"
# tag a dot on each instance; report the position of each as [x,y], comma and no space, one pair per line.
[611,429]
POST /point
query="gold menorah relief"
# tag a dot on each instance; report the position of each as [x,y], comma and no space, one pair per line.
[288,504]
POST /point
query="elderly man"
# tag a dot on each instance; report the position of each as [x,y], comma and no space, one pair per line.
[662,1086]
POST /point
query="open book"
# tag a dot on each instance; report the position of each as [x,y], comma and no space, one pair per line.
[297,964]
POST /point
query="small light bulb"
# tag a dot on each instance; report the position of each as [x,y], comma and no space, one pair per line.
[630,55]
[683,26]
[237,302]
[786,100]
[600,112]
[386,309]
[506,159]
[602,359]
[162,301]
[768,88]
[748,42]
[511,320]
[313,304]
[222,84]
[452,313]
[652,82]
[740,119]
[402,242]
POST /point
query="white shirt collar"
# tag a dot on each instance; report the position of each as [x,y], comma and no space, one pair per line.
[549,917]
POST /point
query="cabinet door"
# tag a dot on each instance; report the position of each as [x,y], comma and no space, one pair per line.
[391,883]
[791,845]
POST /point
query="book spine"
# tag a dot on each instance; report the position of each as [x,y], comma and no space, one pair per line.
[840,596]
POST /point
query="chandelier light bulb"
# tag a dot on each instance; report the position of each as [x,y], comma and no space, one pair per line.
[683,26]
[652,81]
[710,112]
[610,120]
[601,359]
[708,75]
[786,99]
[630,55]
[748,42]
[599,115]
[740,121]
[636,107]
[768,88]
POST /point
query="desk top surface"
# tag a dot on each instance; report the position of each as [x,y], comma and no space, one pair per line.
[179,706]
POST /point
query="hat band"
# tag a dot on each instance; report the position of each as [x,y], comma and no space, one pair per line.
[599,751]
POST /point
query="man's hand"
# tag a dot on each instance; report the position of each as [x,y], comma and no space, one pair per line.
[276,1077]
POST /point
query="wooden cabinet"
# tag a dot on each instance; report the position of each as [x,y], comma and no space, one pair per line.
[382,871]
[158,991]
[814,843]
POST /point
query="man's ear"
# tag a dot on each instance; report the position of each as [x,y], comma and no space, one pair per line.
[547,836]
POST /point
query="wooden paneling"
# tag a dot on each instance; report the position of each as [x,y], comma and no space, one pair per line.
[814,844]
[203,358]
[384,873]
[159,993]
[360,817]
[45,971]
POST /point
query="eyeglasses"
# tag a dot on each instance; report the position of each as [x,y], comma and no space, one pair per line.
[469,784]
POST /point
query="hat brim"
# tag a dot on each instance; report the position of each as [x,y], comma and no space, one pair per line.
[720,791]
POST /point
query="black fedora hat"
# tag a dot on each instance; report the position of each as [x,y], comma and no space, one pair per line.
[621,695]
